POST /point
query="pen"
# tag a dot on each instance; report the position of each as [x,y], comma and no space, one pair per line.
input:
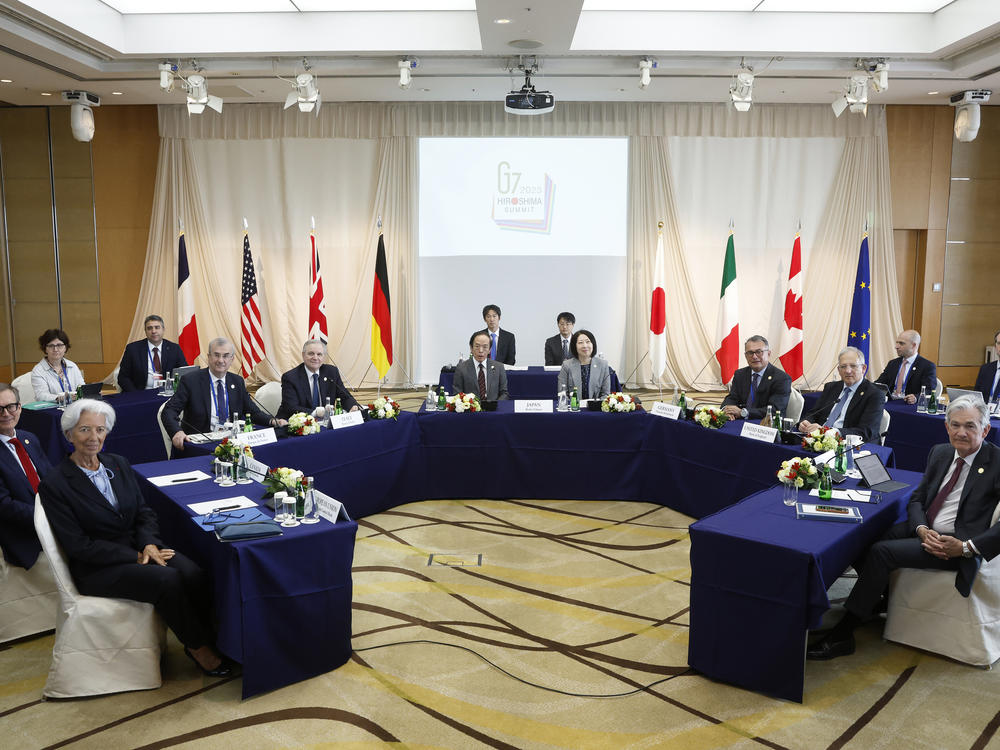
[185,479]
[225,507]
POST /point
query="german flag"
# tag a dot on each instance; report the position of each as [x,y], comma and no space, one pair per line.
[381,318]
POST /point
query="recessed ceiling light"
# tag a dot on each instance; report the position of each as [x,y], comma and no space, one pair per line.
[5,80]
[425,90]
[116,93]
[932,93]
[46,93]
[501,20]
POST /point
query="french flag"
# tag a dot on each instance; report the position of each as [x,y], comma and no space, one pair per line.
[188,337]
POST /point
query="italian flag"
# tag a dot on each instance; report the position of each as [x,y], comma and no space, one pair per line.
[728,334]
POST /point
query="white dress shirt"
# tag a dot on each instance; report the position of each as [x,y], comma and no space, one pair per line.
[944,521]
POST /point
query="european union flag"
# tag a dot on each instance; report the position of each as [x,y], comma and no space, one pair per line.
[860,331]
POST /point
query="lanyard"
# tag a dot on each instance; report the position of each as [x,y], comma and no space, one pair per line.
[59,377]
[215,399]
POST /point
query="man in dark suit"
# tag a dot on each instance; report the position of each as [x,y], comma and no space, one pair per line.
[152,355]
[307,387]
[22,464]
[852,404]
[493,386]
[557,347]
[502,347]
[988,382]
[208,398]
[905,375]
[758,385]
[948,526]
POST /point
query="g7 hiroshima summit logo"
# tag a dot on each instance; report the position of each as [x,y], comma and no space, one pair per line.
[522,205]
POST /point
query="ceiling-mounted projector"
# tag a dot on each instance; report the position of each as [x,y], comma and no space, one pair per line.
[527,101]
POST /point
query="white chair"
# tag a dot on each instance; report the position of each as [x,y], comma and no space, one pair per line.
[269,396]
[28,599]
[102,645]
[25,391]
[167,445]
[927,612]
[883,428]
[938,389]
[795,403]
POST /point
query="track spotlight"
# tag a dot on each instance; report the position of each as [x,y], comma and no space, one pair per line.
[855,96]
[646,65]
[305,94]
[967,119]
[167,71]
[198,97]
[405,66]
[741,91]
[880,76]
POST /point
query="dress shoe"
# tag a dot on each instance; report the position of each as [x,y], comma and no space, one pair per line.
[830,648]
[223,670]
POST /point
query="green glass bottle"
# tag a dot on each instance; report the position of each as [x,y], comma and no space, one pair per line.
[247,423]
[442,399]
[932,403]
[337,408]
[683,403]
[840,460]
[300,500]
[825,484]
[776,422]
[574,401]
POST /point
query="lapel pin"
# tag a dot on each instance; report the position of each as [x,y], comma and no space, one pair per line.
[981,469]
[325,379]
[232,386]
[768,377]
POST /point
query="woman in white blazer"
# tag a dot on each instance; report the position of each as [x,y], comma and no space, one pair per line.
[55,377]
[591,375]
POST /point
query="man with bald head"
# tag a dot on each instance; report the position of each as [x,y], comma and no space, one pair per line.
[908,372]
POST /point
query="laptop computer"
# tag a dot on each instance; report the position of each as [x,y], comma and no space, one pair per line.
[954,393]
[873,474]
[180,372]
[91,390]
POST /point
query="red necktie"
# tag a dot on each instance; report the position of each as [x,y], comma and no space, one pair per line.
[939,498]
[482,382]
[156,360]
[29,468]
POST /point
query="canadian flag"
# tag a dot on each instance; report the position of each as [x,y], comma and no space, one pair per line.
[791,335]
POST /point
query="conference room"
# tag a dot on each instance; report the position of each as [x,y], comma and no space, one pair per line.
[709,193]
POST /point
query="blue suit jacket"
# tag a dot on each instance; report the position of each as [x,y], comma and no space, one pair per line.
[135,363]
[296,390]
[17,503]
[984,381]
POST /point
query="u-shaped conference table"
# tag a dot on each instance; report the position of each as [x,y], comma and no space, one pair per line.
[304,577]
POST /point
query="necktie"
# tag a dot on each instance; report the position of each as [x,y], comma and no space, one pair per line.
[482,382]
[900,377]
[157,367]
[754,381]
[29,468]
[837,408]
[221,407]
[943,493]
[565,349]
[493,346]
[316,389]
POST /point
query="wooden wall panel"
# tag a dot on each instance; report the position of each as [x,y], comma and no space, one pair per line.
[910,133]
[971,275]
[904,242]
[966,330]
[932,254]
[125,150]
[980,158]
[973,214]
[940,165]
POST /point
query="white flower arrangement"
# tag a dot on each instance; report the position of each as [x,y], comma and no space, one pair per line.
[301,423]
[282,479]
[710,416]
[462,402]
[383,408]
[799,471]
[822,439]
[617,402]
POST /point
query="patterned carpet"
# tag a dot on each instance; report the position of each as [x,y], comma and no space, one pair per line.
[520,624]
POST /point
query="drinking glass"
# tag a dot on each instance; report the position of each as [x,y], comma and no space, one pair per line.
[226,469]
[789,493]
[220,474]
[311,506]
[279,509]
[242,475]
[288,504]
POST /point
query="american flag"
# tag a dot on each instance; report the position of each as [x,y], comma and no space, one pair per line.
[252,333]
[317,303]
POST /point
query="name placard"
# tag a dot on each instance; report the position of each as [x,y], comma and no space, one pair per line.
[257,437]
[256,469]
[347,419]
[533,406]
[669,411]
[759,432]
[328,507]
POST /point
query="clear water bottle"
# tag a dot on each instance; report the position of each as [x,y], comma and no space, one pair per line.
[922,400]
[563,404]
[768,420]
[327,413]
[432,399]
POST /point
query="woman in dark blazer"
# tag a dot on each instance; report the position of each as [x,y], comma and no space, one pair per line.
[111,538]
[590,374]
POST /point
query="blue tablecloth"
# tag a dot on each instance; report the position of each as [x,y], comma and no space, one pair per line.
[758,583]
[136,434]
[535,382]
[283,604]
[911,436]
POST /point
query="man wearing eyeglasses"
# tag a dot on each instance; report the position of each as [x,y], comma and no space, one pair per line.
[852,404]
[758,385]
[22,464]
[211,397]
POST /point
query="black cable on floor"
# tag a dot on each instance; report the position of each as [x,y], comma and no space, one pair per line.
[522,680]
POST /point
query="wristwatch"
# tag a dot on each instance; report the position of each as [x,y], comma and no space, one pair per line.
[966,552]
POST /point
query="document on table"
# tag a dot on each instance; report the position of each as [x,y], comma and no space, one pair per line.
[858,496]
[208,437]
[183,478]
[222,503]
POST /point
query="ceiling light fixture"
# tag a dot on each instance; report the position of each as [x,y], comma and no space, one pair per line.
[646,65]
[198,97]
[855,96]
[167,71]
[879,72]
[501,20]
[5,80]
[405,66]
[741,90]
[966,104]
[305,93]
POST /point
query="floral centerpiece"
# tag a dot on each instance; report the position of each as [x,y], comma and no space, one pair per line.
[800,471]
[301,423]
[383,408]
[822,439]
[462,402]
[230,451]
[618,402]
[282,479]
[710,416]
